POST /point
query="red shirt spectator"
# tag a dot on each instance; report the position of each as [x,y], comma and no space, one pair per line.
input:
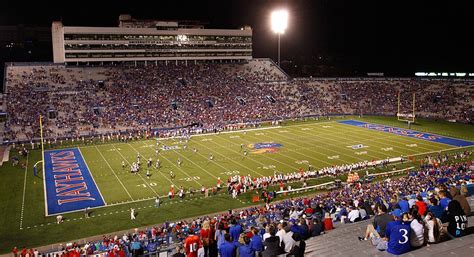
[328,223]
[121,253]
[23,252]
[15,251]
[192,245]
[421,206]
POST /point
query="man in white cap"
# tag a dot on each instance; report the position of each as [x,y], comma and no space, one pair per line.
[132,213]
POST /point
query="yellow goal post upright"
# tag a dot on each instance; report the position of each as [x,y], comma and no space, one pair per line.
[42,147]
[406,117]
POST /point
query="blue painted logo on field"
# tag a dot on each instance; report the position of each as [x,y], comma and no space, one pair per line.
[68,183]
[264,147]
[409,133]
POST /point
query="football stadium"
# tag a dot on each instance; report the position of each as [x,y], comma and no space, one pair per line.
[176,137]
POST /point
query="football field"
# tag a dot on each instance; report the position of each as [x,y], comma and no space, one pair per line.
[269,150]
[78,176]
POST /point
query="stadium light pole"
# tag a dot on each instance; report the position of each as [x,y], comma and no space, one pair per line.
[279,20]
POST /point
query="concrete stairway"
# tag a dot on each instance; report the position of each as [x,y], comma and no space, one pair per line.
[342,241]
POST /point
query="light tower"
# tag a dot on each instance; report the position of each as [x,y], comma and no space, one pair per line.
[279,20]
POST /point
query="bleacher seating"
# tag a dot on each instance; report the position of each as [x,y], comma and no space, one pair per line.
[140,97]
[342,242]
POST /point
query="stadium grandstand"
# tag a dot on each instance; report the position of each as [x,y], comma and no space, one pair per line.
[165,138]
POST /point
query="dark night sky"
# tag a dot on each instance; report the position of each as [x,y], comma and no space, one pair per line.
[385,36]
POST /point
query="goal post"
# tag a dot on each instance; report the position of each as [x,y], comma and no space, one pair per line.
[35,169]
[408,117]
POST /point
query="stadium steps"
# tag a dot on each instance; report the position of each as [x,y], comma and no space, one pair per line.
[342,241]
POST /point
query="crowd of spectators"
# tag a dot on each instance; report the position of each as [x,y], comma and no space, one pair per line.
[425,206]
[77,101]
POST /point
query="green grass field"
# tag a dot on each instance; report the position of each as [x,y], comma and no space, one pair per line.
[320,143]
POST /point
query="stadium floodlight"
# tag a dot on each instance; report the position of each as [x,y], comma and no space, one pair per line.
[279,20]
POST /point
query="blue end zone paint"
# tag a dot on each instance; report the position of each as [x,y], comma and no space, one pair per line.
[69,184]
[409,133]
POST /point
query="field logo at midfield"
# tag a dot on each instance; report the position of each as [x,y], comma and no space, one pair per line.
[68,183]
[264,147]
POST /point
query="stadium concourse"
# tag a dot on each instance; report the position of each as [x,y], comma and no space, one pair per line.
[431,204]
[82,101]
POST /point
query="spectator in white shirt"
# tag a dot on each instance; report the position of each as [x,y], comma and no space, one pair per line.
[354,214]
[285,234]
[417,237]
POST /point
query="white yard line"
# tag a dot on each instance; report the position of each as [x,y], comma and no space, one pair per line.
[251,170]
[158,170]
[90,172]
[426,132]
[117,150]
[179,168]
[24,190]
[210,174]
[214,162]
[399,138]
[328,137]
[373,140]
[110,167]
[265,156]
[297,151]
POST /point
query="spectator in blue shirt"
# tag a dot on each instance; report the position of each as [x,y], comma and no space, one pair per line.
[151,247]
[256,241]
[444,200]
[398,234]
[245,250]
[227,249]
[235,231]
[404,205]
[435,208]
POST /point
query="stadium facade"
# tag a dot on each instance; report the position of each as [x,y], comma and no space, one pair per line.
[142,40]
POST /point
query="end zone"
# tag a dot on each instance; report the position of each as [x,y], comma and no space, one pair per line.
[69,185]
[409,133]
